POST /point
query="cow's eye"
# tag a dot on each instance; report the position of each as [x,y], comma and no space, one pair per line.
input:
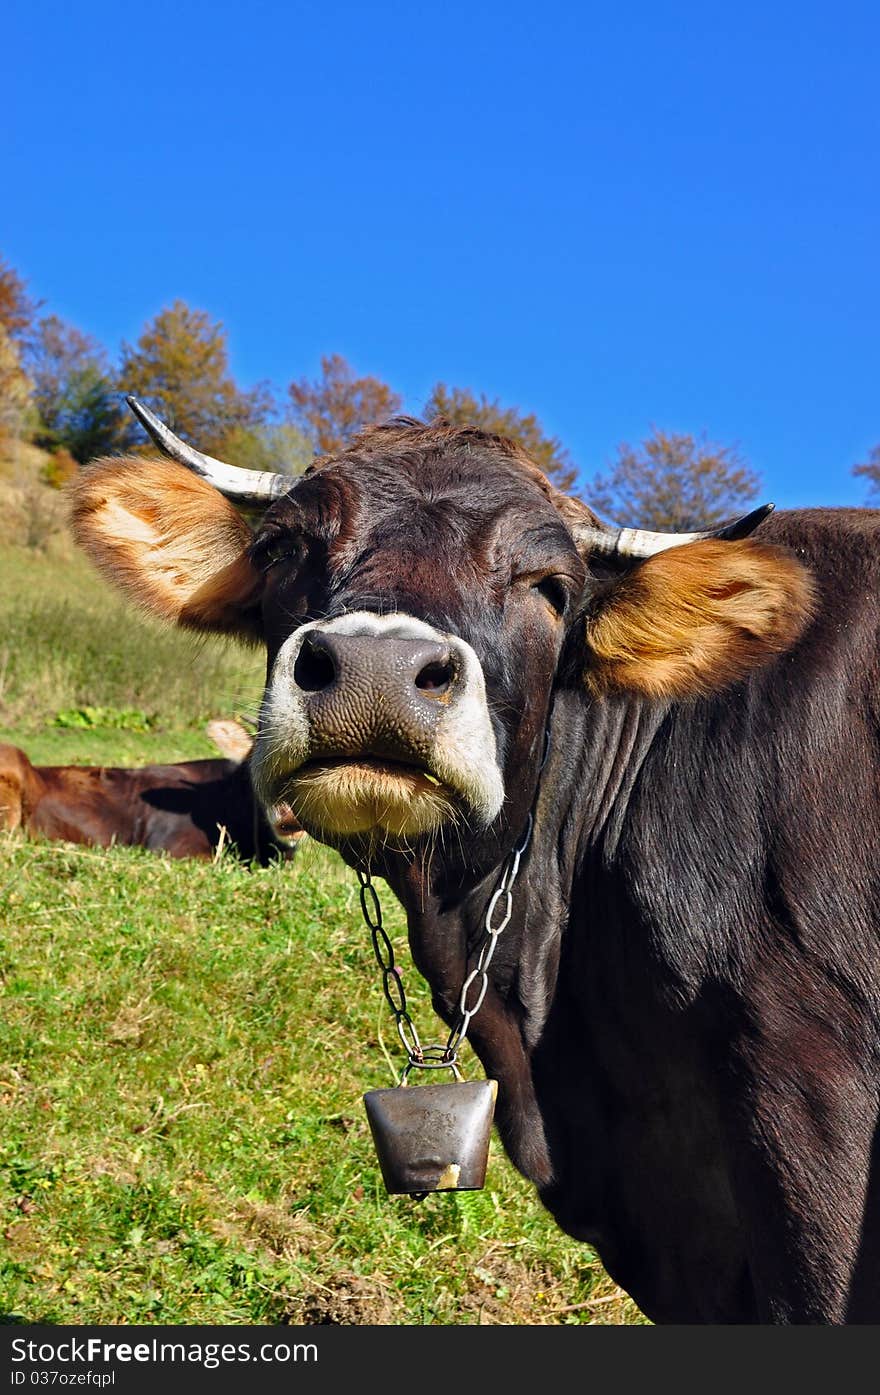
[278,547]
[554,593]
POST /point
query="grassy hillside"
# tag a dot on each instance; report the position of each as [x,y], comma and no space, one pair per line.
[73,658]
[183,1053]
[77,662]
[184,1046]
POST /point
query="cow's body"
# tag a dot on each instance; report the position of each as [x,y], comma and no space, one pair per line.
[683,1013]
[704,1062]
[184,809]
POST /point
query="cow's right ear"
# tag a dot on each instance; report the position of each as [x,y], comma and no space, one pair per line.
[171,542]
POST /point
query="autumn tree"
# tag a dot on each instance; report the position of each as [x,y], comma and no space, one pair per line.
[330,410]
[17,311]
[180,367]
[870,470]
[673,482]
[60,468]
[15,389]
[464,408]
[75,393]
[272,446]
[17,308]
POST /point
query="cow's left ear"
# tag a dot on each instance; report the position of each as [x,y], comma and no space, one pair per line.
[696,618]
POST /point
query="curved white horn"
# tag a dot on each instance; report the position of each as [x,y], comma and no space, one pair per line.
[638,542]
[243,486]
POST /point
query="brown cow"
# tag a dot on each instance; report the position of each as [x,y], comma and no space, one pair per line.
[652,761]
[187,809]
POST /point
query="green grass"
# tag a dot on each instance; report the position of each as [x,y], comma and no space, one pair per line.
[67,642]
[104,746]
[184,1045]
[182,1058]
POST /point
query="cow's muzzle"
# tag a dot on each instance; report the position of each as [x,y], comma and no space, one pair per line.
[377,723]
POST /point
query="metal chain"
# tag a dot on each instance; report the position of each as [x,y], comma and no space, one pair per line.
[392,983]
[442,1056]
[502,895]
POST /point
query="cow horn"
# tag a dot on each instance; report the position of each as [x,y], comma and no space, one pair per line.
[638,543]
[242,486]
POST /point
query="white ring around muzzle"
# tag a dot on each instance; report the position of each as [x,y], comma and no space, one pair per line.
[464,752]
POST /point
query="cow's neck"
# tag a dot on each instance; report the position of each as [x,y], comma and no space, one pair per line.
[596,752]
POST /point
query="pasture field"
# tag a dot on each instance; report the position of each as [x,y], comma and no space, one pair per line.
[184,1046]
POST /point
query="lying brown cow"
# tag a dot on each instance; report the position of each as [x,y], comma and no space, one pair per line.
[185,810]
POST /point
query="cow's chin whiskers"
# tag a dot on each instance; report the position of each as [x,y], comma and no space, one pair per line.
[343,799]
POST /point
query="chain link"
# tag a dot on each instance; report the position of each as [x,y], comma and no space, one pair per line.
[436,1056]
[392,983]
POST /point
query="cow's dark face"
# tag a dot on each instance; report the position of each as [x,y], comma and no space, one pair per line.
[414,596]
[414,609]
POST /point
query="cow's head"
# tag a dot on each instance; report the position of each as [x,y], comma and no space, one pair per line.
[415,595]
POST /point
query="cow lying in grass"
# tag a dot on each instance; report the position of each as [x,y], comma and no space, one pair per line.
[188,809]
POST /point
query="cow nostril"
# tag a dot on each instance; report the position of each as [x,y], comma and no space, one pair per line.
[314,669]
[435,678]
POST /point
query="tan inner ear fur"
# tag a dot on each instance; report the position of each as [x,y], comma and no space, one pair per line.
[169,540]
[697,618]
[231,739]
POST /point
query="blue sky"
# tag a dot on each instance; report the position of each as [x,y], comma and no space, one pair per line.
[617,216]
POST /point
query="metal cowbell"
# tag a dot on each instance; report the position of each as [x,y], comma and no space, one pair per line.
[432,1138]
